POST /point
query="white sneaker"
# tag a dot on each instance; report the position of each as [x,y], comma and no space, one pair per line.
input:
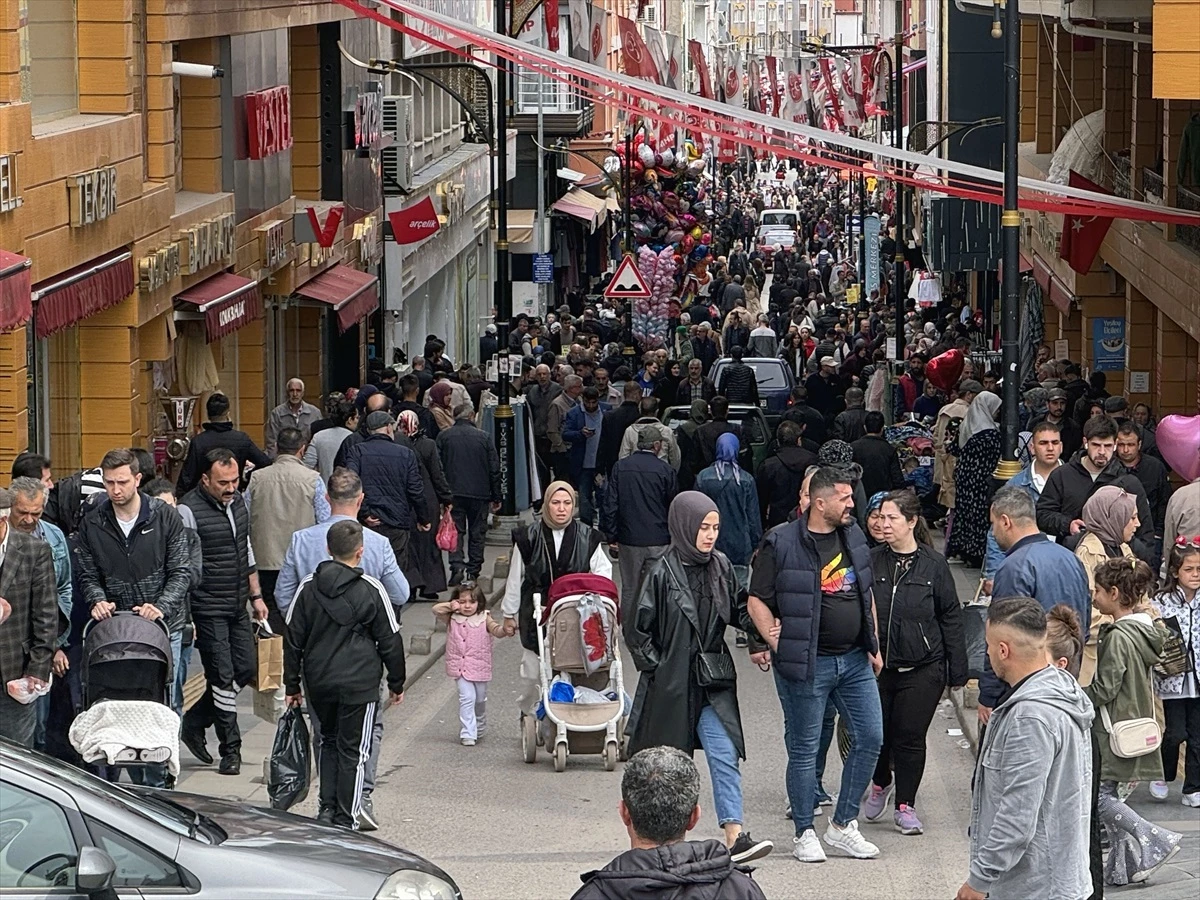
[1159,790]
[850,841]
[468,742]
[807,848]
[1192,799]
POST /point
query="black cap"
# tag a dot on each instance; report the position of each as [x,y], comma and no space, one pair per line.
[379,419]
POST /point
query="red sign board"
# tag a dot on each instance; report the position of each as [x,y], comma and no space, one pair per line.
[627,282]
[415,223]
[269,121]
[327,233]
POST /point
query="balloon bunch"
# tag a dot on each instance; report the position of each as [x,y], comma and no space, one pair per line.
[670,224]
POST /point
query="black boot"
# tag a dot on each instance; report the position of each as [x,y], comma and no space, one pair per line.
[231,764]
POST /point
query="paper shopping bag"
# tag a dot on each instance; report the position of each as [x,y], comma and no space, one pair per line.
[270,662]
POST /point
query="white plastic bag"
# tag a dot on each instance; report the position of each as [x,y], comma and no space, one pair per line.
[593,634]
[587,695]
[26,690]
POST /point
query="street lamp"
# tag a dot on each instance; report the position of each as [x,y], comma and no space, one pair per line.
[505,424]
[1010,227]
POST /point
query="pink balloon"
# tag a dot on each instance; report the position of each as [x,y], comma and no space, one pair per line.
[1178,439]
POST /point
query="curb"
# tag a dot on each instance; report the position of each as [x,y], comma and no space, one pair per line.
[436,651]
[968,719]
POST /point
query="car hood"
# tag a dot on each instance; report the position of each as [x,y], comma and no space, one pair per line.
[288,836]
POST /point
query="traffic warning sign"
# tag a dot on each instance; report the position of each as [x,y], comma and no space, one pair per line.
[627,282]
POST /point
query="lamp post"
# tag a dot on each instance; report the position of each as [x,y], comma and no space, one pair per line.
[505,426]
[899,209]
[1010,227]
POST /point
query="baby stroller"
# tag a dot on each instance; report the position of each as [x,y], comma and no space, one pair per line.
[126,678]
[579,673]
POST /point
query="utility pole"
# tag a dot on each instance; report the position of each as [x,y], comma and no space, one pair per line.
[505,426]
[899,208]
[1010,228]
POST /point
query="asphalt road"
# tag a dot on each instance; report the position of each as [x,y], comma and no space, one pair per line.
[505,829]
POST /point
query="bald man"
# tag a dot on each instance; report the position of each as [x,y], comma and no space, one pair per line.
[294,413]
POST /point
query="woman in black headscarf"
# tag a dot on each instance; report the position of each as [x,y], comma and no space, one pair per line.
[687,693]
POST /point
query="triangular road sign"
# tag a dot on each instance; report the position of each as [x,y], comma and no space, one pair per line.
[627,282]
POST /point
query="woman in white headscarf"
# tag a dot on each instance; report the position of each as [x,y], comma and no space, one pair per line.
[978,453]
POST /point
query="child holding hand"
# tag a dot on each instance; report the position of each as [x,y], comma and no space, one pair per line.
[469,632]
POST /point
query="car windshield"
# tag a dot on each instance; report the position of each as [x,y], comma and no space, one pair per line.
[770,375]
[783,238]
[778,218]
[167,813]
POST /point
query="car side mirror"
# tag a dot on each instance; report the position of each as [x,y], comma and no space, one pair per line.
[94,874]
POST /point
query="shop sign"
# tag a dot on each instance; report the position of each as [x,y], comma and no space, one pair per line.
[415,223]
[368,117]
[1049,234]
[272,245]
[207,243]
[159,269]
[366,235]
[93,196]
[9,198]
[269,122]
[1108,344]
[308,228]
[318,255]
[453,198]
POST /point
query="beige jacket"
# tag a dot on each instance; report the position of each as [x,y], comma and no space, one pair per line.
[944,461]
[280,498]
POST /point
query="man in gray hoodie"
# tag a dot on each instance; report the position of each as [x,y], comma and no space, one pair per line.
[1032,792]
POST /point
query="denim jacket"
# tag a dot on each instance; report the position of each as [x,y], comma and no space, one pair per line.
[994,555]
[53,536]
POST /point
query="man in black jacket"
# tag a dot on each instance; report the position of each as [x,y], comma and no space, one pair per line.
[850,424]
[660,794]
[780,477]
[341,630]
[613,427]
[472,467]
[634,516]
[1060,506]
[1149,471]
[738,381]
[879,460]
[218,432]
[800,412]
[393,492]
[223,634]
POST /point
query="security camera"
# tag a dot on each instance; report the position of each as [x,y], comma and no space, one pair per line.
[196,70]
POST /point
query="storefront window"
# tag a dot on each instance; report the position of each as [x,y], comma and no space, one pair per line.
[49,58]
[62,402]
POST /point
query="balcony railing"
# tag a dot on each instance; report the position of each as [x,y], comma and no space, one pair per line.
[1188,235]
[1152,186]
[565,112]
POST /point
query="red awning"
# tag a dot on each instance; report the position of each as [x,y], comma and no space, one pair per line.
[351,293]
[15,304]
[1056,290]
[83,291]
[227,301]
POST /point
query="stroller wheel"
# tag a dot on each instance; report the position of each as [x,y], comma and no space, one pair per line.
[529,738]
[610,756]
[622,743]
[560,757]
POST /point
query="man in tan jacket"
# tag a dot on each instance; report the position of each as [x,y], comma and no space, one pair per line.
[283,498]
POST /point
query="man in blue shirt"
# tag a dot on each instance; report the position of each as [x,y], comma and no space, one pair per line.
[308,550]
[1034,566]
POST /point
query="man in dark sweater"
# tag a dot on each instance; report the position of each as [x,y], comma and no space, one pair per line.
[738,381]
[341,631]
[879,460]
[218,432]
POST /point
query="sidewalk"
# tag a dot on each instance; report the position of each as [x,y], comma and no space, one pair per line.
[424,645]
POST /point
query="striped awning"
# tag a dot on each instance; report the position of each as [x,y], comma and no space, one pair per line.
[353,294]
[228,302]
[16,305]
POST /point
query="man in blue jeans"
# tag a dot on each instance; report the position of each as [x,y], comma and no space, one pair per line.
[812,579]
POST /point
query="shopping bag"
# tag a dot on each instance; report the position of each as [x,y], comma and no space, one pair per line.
[270,659]
[288,779]
[447,534]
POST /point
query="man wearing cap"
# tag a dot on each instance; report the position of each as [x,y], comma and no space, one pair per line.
[489,344]
[1056,413]
[823,389]
[393,492]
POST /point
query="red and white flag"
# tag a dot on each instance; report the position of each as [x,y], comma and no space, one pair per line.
[773,78]
[676,71]
[734,94]
[700,64]
[551,9]
[656,43]
[598,42]
[1083,235]
[634,52]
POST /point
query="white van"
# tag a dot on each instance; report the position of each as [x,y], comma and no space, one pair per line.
[778,218]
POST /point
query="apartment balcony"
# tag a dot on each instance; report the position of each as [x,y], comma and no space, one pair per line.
[565,111]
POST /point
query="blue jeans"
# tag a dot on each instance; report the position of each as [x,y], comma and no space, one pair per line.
[722,766]
[848,681]
[828,725]
[181,656]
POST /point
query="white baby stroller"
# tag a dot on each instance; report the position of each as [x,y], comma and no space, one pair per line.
[579,673]
[127,719]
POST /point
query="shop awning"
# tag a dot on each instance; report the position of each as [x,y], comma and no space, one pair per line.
[83,291]
[351,293]
[15,304]
[582,205]
[228,302]
[1056,290]
[520,226]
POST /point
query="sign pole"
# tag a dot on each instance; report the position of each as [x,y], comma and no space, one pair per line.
[505,423]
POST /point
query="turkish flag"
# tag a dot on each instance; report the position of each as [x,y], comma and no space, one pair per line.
[696,51]
[1083,235]
[415,223]
[551,26]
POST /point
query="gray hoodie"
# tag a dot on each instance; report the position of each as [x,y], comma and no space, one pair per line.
[1032,797]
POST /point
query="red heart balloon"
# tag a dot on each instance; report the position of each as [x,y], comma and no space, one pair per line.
[945,370]
[1178,439]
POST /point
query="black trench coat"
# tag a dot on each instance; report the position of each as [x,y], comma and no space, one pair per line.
[664,638]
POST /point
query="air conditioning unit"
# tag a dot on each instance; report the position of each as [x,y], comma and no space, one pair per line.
[648,14]
[398,158]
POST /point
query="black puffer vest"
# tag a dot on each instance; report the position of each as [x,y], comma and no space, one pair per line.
[798,593]
[540,567]
[224,589]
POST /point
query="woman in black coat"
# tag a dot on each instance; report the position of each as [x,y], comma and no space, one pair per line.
[426,573]
[923,647]
[687,693]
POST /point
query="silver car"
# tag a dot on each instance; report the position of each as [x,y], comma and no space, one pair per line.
[66,834]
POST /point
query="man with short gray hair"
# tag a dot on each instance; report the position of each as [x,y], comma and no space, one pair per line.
[294,413]
[572,388]
[660,793]
[538,397]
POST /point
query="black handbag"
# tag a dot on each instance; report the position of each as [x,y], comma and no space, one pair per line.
[715,670]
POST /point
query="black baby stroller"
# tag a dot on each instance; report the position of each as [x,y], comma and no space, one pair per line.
[127,677]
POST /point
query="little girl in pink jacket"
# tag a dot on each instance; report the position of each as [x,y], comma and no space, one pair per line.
[469,632]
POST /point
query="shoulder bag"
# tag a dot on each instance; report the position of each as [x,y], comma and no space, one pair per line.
[1131,738]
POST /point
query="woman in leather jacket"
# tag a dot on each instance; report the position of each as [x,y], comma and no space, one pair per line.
[923,647]
[687,692]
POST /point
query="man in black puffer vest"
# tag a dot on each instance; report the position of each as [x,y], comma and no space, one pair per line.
[223,634]
[813,577]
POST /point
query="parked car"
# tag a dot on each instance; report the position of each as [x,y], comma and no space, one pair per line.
[784,219]
[66,834]
[770,239]
[756,433]
[775,383]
